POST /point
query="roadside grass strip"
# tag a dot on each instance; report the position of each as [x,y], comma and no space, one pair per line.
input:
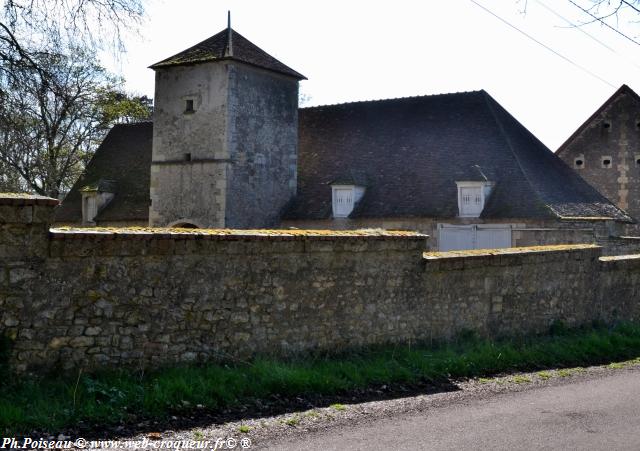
[49,403]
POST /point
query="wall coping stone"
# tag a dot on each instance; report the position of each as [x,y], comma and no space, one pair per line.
[619,262]
[25,199]
[619,258]
[531,250]
[154,233]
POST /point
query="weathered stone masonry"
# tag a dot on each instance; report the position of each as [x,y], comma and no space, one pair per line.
[121,297]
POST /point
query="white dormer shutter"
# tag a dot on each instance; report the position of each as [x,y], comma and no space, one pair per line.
[89,207]
[472,202]
[342,202]
[344,198]
[472,197]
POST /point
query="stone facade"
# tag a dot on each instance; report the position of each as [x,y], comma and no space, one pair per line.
[263,139]
[224,145]
[71,298]
[605,151]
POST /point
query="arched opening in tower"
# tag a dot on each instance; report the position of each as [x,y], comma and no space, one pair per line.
[185,225]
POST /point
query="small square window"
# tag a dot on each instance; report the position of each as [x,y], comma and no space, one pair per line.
[637,160]
[606,124]
[607,162]
[187,157]
[579,162]
[189,106]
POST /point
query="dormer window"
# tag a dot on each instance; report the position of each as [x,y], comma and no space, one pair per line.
[89,207]
[472,197]
[94,198]
[344,198]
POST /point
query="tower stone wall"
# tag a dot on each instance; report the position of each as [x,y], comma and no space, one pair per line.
[263,141]
[190,148]
[224,145]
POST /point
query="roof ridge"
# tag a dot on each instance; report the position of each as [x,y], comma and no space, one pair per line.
[130,124]
[422,96]
[193,47]
[488,99]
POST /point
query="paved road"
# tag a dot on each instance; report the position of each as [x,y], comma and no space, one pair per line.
[599,414]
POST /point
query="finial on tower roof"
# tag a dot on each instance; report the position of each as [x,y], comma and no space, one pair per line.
[229,49]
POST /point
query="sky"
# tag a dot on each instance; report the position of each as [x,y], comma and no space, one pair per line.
[364,50]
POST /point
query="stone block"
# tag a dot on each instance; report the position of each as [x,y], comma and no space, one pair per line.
[93,331]
[20,275]
[81,342]
[11,322]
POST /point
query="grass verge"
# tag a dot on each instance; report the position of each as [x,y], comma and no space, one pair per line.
[52,403]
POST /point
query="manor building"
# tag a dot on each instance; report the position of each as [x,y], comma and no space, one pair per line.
[229,148]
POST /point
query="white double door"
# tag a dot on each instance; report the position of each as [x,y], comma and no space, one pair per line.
[473,236]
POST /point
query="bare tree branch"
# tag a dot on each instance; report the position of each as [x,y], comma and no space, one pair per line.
[49,126]
[55,107]
[601,10]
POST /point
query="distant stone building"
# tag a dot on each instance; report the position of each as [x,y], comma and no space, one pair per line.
[605,150]
[229,147]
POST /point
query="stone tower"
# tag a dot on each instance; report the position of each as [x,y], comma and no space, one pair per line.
[225,136]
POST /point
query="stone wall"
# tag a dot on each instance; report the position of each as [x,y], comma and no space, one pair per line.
[508,292]
[138,297]
[621,245]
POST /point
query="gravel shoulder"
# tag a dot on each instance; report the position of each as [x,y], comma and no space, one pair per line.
[266,431]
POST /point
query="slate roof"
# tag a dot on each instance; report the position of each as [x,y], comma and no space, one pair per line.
[407,152]
[621,91]
[412,150]
[123,162]
[214,49]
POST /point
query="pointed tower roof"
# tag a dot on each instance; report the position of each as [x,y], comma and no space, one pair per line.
[228,45]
